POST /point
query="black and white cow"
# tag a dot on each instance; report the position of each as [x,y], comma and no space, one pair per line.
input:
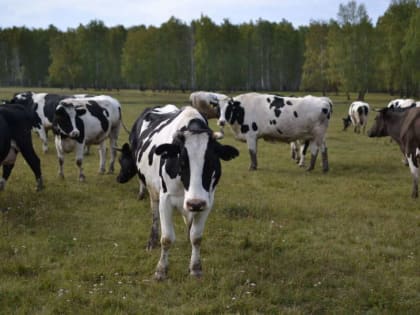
[87,121]
[16,122]
[44,105]
[402,103]
[176,156]
[358,116]
[274,118]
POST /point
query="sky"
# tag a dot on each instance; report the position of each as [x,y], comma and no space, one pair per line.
[71,13]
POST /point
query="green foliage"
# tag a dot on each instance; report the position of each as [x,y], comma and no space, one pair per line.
[278,241]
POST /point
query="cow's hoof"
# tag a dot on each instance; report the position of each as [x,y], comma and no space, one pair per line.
[252,168]
[152,244]
[101,171]
[196,270]
[141,196]
[61,176]
[161,273]
[82,178]
[40,185]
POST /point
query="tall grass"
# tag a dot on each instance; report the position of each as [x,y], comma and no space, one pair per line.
[278,241]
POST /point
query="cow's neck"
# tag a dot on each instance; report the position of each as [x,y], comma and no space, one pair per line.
[395,121]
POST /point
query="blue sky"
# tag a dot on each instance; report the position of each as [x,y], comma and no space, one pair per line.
[71,13]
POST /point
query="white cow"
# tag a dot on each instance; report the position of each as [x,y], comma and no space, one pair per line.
[81,122]
[177,158]
[274,118]
[358,116]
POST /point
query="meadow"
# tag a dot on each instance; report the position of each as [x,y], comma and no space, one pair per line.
[279,240]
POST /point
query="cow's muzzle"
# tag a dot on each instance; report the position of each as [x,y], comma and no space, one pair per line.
[221,123]
[74,134]
[196,205]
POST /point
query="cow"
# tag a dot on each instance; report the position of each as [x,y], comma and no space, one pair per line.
[207,103]
[87,121]
[402,103]
[403,126]
[274,118]
[44,105]
[174,153]
[16,122]
[358,116]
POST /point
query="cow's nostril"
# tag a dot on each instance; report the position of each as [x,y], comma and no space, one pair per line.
[196,205]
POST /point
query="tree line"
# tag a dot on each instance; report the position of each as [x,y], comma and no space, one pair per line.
[347,54]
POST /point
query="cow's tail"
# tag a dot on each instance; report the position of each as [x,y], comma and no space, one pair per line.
[122,122]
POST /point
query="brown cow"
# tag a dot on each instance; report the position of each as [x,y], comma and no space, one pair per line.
[404,127]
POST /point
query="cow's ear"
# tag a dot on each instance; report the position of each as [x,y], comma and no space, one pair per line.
[167,150]
[60,110]
[80,111]
[226,152]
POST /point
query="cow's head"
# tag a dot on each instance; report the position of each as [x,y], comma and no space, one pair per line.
[65,119]
[127,163]
[346,122]
[24,98]
[195,155]
[230,111]
[379,127]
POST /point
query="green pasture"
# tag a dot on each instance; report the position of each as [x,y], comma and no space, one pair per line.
[278,241]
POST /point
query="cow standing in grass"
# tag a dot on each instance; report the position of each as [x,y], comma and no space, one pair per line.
[87,121]
[403,126]
[44,105]
[274,118]
[358,116]
[16,122]
[176,156]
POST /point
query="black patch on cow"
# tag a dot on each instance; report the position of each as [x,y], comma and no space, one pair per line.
[100,113]
[278,102]
[295,114]
[244,128]
[254,126]
[81,127]
[235,113]
[212,168]
[277,112]
[162,162]
[273,122]
[268,100]
[51,103]
[151,153]
[325,111]
[289,103]
[279,131]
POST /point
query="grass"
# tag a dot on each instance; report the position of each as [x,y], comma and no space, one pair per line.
[279,240]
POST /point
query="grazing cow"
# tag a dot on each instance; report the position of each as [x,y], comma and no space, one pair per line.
[16,122]
[358,116]
[402,103]
[44,105]
[175,154]
[207,103]
[86,121]
[403,126]
[274,118]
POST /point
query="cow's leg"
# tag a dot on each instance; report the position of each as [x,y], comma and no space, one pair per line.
[167,237]
[80,148]
[102,157]
[314,153]
[44,139]
[294,151]
[7,170]
[414,168]
[303,149]
[142,192]
[324,152]
[196,235]
[252,147]
[60,156]
[113,139]
[25,146]
[154,232]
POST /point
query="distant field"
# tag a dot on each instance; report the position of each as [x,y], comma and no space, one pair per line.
[279,240]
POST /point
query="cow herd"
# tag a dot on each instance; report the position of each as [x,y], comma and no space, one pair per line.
[174,153]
